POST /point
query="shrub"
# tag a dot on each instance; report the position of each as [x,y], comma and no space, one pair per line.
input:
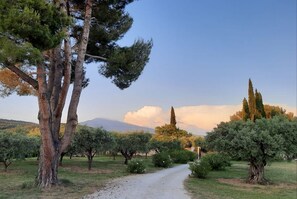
[162,160]
[182,156]
[217,161]
[136,166]
[199,168]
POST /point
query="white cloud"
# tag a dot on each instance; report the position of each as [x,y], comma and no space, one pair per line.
[195,119]
[149,116]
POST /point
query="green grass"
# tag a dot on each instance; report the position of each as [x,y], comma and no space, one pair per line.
[229,184]
[76,180]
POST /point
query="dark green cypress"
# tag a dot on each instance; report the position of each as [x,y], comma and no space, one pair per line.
[251,101]
[259,105]
[245,110]
[172,117]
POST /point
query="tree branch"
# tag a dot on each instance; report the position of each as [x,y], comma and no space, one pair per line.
[23,76]
[77,84]
[97,57]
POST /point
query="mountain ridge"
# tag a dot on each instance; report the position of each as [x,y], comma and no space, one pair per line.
[114,125]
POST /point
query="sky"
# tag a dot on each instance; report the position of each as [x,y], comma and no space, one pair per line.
[204,52]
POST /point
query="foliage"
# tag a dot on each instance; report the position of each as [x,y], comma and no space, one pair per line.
[255,109]
[162,160]
[182,156]
[259,105]
[288,130]
[199,168]
[136,166]
[200,142]
[217,161]
[245,110]
[16,146]
[130,143]
[92,140]
[251,101]
[257,142]
[168,133]
[172,117]
[161,146]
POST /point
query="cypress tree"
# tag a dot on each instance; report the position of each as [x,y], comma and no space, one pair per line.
[172,117]
[259,105]
[245,110]
[251,101]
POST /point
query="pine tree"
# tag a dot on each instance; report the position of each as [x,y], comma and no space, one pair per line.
[172,117]
[251,101]
[245,110]
[259,105]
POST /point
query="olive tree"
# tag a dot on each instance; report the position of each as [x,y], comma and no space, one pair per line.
[90,141]
[256,142]
[130,143]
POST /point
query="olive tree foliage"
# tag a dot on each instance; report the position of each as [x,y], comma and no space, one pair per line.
[257,142]
[46,46]
[128,144]
[90,141]
[16,146]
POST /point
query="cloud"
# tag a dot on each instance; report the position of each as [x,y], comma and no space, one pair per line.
[149,116]
[195,119]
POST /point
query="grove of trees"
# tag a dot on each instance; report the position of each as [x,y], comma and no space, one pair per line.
[17,146]
[253,108]
[45,46]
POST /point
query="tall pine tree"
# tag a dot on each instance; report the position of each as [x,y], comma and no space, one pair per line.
[245,110]
[172,117]
[251,101]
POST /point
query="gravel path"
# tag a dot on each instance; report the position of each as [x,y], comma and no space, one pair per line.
[164,184]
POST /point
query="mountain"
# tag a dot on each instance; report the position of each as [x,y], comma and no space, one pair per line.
[113,125]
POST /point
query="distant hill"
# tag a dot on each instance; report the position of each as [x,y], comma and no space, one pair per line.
[109,125]
[113,125]
[13,125]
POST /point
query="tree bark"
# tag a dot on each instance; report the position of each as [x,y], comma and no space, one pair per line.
[6,165]
[128,156]
[90,160]
[52,91]
[256,173]
[61,159]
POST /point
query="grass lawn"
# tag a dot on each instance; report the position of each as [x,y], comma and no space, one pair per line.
[76,180]
[229,184]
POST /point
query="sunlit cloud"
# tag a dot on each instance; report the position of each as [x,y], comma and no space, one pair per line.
[195,119]
[149,116]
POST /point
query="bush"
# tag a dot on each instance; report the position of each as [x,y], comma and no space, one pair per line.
[182,156]
[136,166]
[162,160]
[199,168]
[217,161]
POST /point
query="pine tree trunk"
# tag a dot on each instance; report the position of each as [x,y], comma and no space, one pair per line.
[48,166]
[256,174]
